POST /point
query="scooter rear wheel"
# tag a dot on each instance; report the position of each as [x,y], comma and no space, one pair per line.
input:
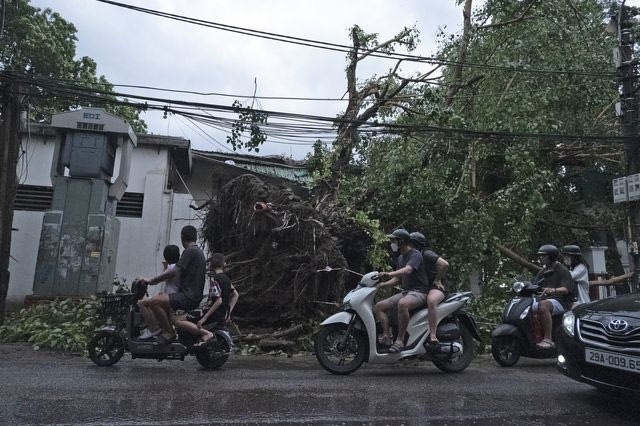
[459,363]
[215,355]
[336,356]
[505,350]
[105,348]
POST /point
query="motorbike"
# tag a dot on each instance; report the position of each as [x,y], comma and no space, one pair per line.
[349,338]
[122,328]
[515,337]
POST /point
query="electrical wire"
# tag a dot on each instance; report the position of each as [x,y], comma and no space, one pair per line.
[290,123]
[345,48]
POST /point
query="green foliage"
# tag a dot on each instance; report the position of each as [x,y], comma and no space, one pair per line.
[318,162]
[464,192]
[41,43]
[62,325]
[249,121]
[378,254]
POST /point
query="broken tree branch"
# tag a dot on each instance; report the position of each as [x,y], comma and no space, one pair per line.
[517,258]
[510,21]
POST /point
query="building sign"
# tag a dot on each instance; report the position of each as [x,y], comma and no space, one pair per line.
[620,190]
[633,187]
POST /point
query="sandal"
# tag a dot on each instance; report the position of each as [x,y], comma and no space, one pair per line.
[202,343]
[395,348]
[546,344]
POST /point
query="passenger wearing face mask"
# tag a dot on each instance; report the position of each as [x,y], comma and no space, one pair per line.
[579,269]
[412,276]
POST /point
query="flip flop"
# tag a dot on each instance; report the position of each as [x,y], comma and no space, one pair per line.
[546,344]
[395,348]
[209,341]
[431,342]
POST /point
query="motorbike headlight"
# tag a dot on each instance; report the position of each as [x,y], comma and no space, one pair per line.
[518,286]
[524,313]
[568,323]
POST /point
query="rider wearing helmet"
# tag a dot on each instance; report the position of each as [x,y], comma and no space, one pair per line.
[436,268]
[579,269]
[415,285]
[558,294]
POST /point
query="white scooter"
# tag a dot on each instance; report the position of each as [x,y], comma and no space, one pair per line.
[349,338]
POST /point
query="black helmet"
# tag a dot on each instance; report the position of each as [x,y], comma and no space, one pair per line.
[417,239]
[400,234]
[572,250]
[548,249]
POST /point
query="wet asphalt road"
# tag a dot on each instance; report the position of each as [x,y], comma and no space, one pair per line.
[45,387]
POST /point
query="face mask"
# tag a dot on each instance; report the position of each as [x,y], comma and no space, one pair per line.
[394,247]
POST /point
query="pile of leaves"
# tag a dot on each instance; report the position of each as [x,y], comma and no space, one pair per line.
[61,324]
[278,247]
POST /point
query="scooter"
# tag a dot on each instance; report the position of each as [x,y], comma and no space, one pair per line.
[348,338]
[122,330]
[515,337]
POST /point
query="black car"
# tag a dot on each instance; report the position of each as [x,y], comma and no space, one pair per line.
[599,343]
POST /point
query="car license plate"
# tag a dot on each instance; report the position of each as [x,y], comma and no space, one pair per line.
[613,360]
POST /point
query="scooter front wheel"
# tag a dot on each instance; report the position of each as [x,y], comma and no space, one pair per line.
[105,348]
[505,350]
[338,353]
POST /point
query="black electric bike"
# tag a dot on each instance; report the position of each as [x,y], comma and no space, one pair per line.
[123,324]
[515,337]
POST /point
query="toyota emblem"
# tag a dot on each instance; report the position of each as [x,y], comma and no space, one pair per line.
[618,325]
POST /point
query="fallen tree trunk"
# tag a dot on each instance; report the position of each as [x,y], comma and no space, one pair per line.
[619,280]
[517,258]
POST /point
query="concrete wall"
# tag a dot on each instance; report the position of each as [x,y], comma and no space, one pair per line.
[34,168]
[142,240]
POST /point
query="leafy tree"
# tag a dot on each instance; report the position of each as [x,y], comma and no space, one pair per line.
[467,192]
[41,43]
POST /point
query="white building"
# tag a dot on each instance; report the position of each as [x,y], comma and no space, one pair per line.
[166,178]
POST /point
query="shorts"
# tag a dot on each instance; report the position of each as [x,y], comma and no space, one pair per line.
[420,297]
[180,302]
[195,315]
[557,306]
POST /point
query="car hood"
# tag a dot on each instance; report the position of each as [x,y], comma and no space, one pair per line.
[620,305]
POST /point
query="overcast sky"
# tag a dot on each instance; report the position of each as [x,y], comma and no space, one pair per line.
[134,48]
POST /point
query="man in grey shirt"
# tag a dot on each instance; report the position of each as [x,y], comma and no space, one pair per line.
[413,278]
[189,273]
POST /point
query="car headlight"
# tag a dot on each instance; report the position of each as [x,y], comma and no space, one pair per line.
[524,313]
[568,323]
[518,286]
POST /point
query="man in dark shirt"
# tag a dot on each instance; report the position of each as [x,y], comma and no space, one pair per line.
[436,268]
[558,293]
[220,303]
[413,278]
[190,274]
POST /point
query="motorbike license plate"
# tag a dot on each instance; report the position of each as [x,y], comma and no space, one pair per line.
[612,360]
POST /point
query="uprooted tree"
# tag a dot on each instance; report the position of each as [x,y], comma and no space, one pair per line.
[279,245]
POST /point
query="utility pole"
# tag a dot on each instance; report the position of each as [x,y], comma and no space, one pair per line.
[9,145]
[626,66]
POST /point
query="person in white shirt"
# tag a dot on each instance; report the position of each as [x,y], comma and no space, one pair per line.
[171,255]
[579,272]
